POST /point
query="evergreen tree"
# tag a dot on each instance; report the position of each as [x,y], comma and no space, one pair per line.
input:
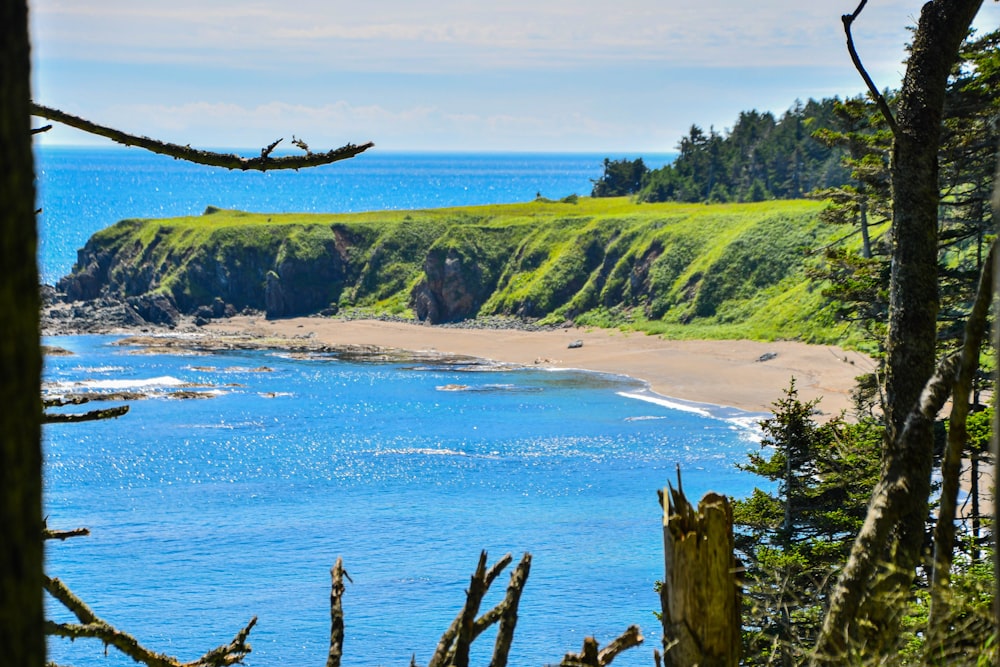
[794,538]
[621,177]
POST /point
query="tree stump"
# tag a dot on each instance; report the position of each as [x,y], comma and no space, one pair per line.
[701,594]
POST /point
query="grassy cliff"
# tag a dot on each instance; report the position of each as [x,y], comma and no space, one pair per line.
[732,270]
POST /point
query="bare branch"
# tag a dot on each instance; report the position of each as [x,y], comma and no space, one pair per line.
[93,415]
[883,106]
[591,657]
[337,575]
[631,638]
[453,647]
[40,130]
[227,161]
[92,626]
[508,612]
[64,534]
[855,586]
[944,532]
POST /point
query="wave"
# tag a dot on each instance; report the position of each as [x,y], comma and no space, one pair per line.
[746,422]
[116,385]
[99,369]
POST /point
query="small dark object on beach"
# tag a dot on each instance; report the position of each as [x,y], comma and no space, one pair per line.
[767,356]
[575,344]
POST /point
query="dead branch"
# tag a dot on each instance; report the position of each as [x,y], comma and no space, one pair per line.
[590,656]
[93,415]
[467,618]
[225,160]
[508,612]
[337,575]
[883,106]
[92,626]
[944,532]
[64,535]
[453,647]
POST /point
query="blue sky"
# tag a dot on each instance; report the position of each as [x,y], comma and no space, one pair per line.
[548,75]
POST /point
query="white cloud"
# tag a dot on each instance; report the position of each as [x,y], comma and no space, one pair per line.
[453,73]
[449,35]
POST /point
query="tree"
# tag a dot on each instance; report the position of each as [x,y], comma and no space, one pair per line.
[889,546]
[620,178]
[21,620]
[794,539]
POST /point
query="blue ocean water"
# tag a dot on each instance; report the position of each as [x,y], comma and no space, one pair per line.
[205,512]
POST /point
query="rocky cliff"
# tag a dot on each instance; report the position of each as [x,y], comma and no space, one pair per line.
[667,263]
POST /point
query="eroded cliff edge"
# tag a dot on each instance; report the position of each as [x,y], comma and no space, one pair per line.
[739,265]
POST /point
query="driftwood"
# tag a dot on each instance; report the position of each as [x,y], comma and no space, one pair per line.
[701,595]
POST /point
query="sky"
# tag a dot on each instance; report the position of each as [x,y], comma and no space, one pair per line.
[622,77]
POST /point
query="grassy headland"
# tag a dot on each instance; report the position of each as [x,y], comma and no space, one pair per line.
[688,270]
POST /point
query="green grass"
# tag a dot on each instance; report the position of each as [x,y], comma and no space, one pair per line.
[681,270]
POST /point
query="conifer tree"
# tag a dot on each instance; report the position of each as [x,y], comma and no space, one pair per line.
[794,538]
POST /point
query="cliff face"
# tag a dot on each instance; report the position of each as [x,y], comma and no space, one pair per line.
[663,262]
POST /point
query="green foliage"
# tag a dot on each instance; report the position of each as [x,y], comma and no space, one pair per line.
[620,178]
[761,158]
[794,537]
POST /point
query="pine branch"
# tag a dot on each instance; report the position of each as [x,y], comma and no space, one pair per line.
[225,160]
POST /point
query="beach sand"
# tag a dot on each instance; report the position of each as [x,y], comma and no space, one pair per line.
[740,374]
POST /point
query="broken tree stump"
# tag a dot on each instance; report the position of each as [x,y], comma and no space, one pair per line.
[701,595]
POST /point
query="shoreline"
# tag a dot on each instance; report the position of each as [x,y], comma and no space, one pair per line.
[744,375]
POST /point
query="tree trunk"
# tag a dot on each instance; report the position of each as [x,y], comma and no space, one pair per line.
[701,597]
[890,544]
[913,300]
[951,466]
[21,620]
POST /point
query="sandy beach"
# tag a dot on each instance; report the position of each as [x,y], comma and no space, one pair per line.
[748,375]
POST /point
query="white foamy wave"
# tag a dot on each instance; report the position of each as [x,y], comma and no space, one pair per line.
[748,423]
[116,385]
[668,403]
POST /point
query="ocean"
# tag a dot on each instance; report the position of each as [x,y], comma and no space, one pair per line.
[207,511]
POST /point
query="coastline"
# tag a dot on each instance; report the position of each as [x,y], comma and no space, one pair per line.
[741,374]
